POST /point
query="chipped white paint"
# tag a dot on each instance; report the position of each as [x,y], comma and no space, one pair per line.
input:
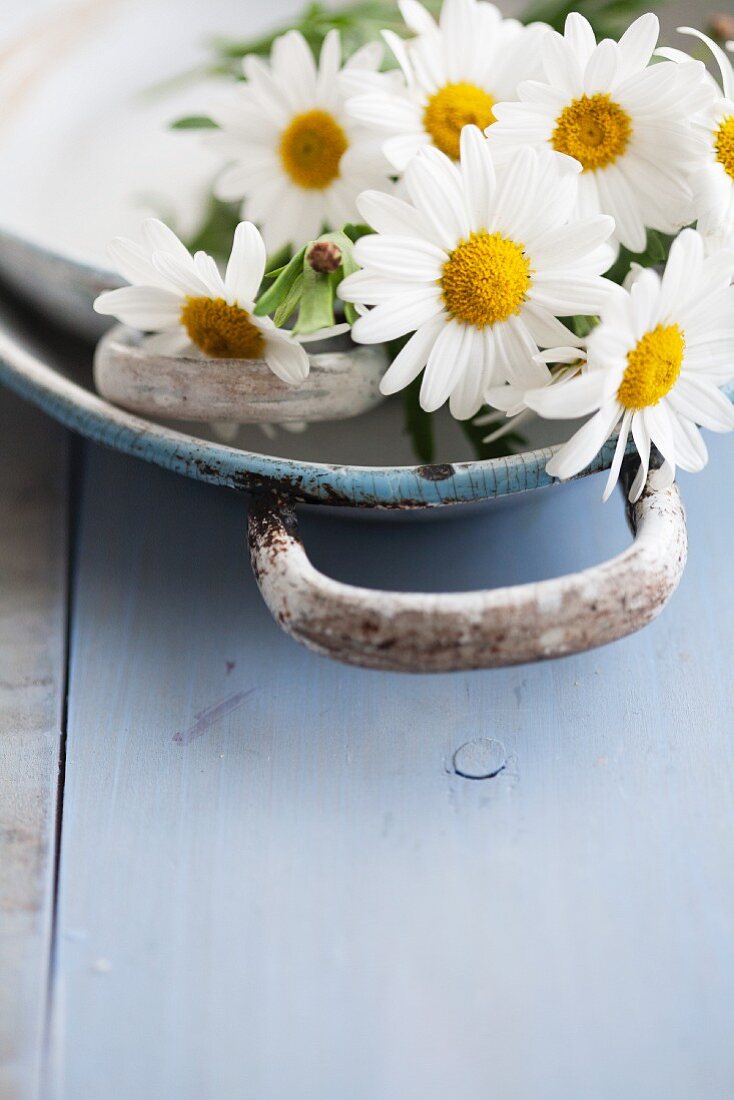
[420,632]
[340,384]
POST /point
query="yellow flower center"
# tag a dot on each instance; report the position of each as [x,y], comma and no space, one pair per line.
[725,144]
[451,109]
[593,129]
[485,279]
[653,367]
[220,330]
[311,149]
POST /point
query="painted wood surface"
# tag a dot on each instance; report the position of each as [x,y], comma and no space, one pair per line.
[33,568]
[278,878]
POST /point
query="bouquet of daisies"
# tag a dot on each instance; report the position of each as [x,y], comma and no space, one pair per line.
[533,222]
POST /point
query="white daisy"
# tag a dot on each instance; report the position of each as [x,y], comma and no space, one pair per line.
[510,398]
[624,120]
[713,179]
[478,265]
[655,365]
[297,159]
[186,303]
[454,72]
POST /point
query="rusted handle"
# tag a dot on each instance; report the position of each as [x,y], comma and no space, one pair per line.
[422,632]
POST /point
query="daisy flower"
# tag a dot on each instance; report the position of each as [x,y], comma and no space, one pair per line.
[510,399]
[655,364]
[297,159]
[479,265]
[713,180]
[626,122]
[184,301]
[454,72]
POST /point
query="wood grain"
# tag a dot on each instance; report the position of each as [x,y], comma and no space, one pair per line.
[32,674]
[275,883]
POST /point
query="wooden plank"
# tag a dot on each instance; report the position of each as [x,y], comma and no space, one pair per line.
[275,883]
[33,569]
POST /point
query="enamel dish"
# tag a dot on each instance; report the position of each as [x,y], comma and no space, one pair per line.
[85,160]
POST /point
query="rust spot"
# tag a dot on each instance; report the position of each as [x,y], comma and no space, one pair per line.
[436,472]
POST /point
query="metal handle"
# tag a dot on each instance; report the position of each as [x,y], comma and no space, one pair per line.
[422,632]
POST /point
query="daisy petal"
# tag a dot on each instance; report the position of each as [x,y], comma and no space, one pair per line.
[404,314]
[575,456]
[133,263]
[569,295]
[567,400]
[638,42]
[401,258]
[286,359]
[562,66]
[144,307]
[547,330]
[682,271]
[329,62]
[641,437]
[159,238]
[617,198]
[389,214]
[182,275]
[411,360]
[434,186]
[171,342]
[467,397]
[701,401]
[478,175]
[727,73]
[579,33]
[206,267]
[446,363]
[246,265]
[602,68]
[690,449]
[417,17]
[657,422]
[619,450]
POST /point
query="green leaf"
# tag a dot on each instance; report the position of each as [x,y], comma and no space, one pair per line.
[609,18]
[418,423]
[358,23]
[355,232]
[216,231]
[278,262]
[194,122]
[289,303]
[298,288]
[581,325]
[656,253]
[507,444]
[317,301]
[282,289]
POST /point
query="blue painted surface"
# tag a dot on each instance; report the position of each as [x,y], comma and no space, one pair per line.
[273,882]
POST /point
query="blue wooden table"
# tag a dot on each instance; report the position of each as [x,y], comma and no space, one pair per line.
[231,869]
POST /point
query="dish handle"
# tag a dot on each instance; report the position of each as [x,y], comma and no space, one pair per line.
[427,632]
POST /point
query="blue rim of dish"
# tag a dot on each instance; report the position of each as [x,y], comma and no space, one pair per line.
[426,486]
